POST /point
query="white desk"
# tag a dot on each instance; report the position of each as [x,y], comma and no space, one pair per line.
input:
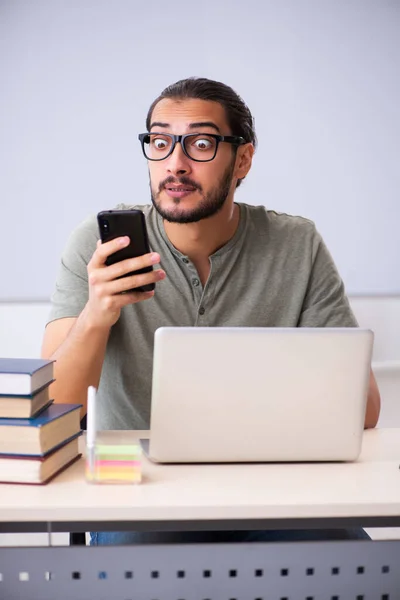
[365,493]
[212,497]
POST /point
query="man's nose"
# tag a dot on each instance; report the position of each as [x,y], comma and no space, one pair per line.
[178,163]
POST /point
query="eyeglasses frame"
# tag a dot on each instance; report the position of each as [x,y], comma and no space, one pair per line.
[235,140]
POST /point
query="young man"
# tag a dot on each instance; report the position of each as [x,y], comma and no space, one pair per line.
[218,263]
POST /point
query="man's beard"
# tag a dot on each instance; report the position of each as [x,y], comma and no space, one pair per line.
[209,206]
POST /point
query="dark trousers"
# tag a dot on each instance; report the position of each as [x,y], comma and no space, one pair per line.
[120,538]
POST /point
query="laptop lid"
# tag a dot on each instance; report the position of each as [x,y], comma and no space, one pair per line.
[259,394]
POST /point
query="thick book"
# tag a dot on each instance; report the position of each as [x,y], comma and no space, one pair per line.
[23,376]
[24,407]
[39,469]
[38,436]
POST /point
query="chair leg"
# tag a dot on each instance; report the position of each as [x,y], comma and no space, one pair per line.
[78,538]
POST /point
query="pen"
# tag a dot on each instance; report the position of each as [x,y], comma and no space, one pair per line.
[91,428]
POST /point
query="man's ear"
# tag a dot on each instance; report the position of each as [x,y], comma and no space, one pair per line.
[244,158]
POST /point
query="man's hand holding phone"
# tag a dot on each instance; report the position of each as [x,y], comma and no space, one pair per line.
[111,287]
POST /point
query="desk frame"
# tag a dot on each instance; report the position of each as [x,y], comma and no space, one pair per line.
[198,524]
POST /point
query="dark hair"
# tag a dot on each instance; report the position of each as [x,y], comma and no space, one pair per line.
[238,114]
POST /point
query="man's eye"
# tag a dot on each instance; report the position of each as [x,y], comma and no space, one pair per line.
[160,144]
[203,144]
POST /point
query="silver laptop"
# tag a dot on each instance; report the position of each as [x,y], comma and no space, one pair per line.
[258,394]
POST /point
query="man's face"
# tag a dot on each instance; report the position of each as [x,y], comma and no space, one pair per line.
[183,190]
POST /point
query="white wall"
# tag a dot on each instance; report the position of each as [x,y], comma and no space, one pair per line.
[321,78]
[22,326]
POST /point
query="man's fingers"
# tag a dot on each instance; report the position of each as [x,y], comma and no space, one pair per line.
[118,301]
[134,297]
[106,287]
[112,272]
[103,251]
[132,264]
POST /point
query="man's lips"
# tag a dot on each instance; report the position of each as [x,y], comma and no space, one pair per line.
[179,191]
[180,188]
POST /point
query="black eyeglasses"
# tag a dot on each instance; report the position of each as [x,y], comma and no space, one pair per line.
[201,147]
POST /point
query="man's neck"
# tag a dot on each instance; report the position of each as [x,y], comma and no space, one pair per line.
[200,240]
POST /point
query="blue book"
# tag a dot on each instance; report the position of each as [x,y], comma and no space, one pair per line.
[23,376]
[37,436]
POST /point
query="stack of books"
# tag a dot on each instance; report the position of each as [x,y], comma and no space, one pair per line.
[38,438]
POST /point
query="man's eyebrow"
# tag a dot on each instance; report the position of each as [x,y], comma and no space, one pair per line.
[204,124]
[159,124]
[191,126]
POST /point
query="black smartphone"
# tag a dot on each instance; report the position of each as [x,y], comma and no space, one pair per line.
[118,223]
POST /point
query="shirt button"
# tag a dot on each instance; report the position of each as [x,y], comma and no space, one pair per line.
[195,282]
[185,260]
[202,310]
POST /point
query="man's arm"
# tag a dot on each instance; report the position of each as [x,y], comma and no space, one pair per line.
[78,344]
[78,347]
[326,305]
[373,403]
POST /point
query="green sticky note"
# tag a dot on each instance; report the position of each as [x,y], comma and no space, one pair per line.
[125,450]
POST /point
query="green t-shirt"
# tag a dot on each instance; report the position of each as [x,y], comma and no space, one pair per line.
[275,272]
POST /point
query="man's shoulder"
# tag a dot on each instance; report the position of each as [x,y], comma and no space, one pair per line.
[267,221]
[84,237]
[87,232]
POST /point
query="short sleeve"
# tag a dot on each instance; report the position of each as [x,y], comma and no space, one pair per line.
[325,303]
[71,288]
